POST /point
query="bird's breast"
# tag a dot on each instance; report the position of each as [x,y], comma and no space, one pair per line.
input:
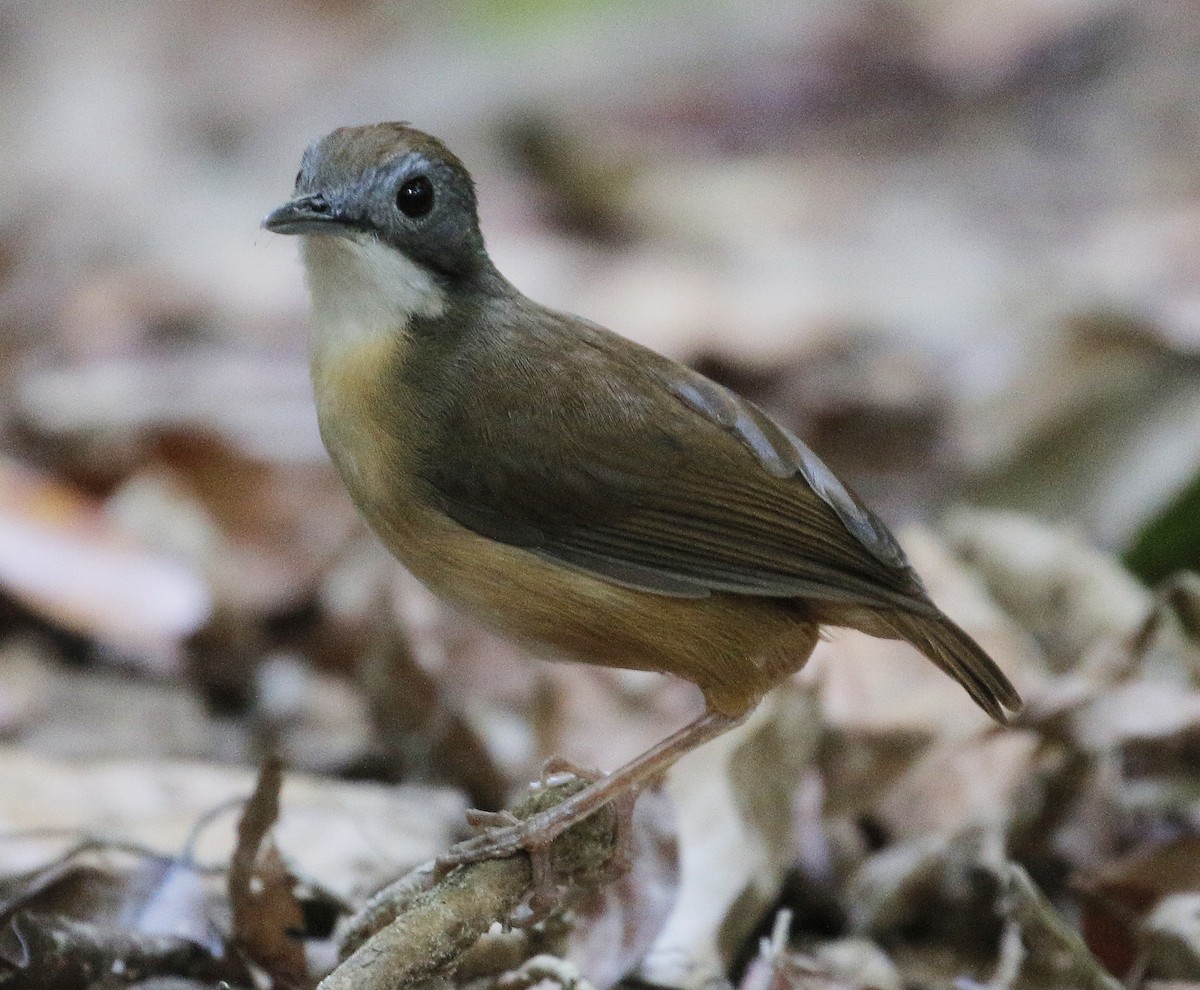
[374,430]
[354,415]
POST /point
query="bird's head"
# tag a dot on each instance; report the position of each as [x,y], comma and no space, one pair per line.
[389,220]
[392,184]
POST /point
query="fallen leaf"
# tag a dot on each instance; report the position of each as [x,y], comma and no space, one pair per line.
[1074,597]
[1056,955]
[1134,712]
[261,533]
[64,557]
[259,403]
[1120,893]
[349,837]
[958,784]
[170,897]
[52,952]
[1170,938]
[267,918]
[620,922]
[733,801]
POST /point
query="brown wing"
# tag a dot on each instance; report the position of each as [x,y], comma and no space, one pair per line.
[605,457]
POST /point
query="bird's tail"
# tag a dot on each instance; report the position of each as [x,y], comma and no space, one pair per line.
[959,656]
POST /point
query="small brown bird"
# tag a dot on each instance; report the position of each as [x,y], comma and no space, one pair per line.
[566,486]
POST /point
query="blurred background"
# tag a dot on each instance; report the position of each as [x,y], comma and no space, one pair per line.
[954,245]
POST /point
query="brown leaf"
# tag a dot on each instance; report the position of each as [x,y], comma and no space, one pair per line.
[63,556]
[262,533]
[1050,578]
[1119,893]
[960,783]
[620,920]
[733,803]
[158,896]
[423,729]
[1056,955]
[266,913]
[260,404]
[843,964]
[85,888]
[51,952]
[349,837]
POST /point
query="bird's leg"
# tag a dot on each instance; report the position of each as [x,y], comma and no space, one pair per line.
[534,835]
[555,770]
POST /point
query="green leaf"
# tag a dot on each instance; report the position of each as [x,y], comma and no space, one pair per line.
[1170,541]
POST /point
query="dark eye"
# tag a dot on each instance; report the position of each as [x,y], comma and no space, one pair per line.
[415,197]
[299,176]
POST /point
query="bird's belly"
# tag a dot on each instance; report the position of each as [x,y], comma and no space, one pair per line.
[735,648]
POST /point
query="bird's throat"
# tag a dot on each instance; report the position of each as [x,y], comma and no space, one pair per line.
[362,291]
[365,297]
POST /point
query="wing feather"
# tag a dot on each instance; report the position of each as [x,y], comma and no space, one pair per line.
[662,480]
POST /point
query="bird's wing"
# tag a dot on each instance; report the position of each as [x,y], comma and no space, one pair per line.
[620,463]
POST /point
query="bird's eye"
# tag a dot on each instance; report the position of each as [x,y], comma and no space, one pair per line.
[299,176]
[415,197]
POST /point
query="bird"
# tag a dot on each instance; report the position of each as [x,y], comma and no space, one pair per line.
[566,486]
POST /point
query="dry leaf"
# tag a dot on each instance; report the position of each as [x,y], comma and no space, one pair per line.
[1170,938]
[1120,892]
[267,918]
[936,884]
[63,557]
[260,404]
[1056,956]
[52,952]
[348,837]
[262,533]
[733,802]
[1052,580]
[620,921]
[958,784]
[1138,711]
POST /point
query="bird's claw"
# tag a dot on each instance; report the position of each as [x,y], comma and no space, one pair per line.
[483,821]
[558,770]
[503,834]
[506,835]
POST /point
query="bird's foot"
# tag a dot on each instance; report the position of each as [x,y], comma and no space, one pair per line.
[490,821]
[561,800]
[559,770]
[503,834]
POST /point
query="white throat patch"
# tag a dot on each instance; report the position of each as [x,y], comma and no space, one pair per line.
[363,290]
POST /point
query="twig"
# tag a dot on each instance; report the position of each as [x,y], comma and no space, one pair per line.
[420,925]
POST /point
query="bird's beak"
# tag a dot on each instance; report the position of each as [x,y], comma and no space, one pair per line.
[308,215]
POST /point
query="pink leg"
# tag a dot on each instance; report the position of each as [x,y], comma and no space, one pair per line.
[534,835]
